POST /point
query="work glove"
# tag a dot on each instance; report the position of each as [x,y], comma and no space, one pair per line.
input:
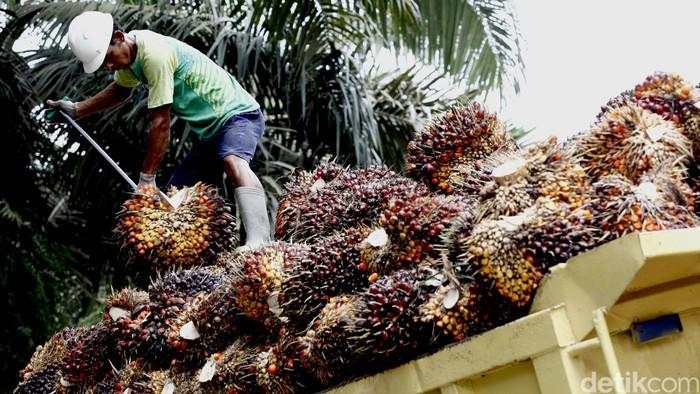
[147,184]
[67,106]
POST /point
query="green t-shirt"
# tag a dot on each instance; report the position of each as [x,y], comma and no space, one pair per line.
[199,91]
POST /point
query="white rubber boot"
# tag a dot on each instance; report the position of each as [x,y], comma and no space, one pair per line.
[253,211]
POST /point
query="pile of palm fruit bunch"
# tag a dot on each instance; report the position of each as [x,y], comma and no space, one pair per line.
[373,268]
[191,234]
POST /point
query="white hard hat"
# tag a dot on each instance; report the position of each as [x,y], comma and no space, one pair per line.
[89,35]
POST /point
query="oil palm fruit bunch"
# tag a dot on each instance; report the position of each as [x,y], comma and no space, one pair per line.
[354,197]
[334,265]
[658,201]
[296,190]
[668,95]
[124,314]
[189,235]
[327,355]
[445,151]
[490,254]
[415,228]
[43,372]
[232,370]
[87,355]
[207,324]
[631,141]
[257,278]
[463,310]
[389,328]
[278,369]
[556,231]
[171,294]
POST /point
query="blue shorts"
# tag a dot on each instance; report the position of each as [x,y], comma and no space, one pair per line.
[239,136]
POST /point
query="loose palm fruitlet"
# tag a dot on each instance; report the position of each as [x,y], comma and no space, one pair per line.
[556,231]
[124,314]
[415,228]
[189,235]
[171,295]
[354,197]
[631,141]
[447,149]
[658,201]
[490,254]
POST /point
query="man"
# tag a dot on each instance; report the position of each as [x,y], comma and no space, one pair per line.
[184,82]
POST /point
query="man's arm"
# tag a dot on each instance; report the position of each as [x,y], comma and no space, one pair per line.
[158,138]
[109,97]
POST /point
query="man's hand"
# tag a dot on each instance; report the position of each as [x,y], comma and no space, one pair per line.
[147,184]
[69,107]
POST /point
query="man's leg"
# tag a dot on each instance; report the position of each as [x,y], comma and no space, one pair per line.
[236,145]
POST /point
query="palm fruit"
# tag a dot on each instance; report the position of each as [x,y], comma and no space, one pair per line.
[668,95]
[87,355]
[415,228]
[445,152]
[171,294]
[189,235]
[354,197]
[124,314]
[207,323]
[43,373]
[389,328]
[464,310]
[327,355]
[334,265]
[658,201]
[490,254]
[618,101]
[296,191]
[234,369]
[278,369]
[631,141]
[556,231]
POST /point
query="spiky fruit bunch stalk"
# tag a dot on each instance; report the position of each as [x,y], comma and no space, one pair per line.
[327,355]
[659,201]
[124,314]
[354,197]
[631,141]
[491,255]
[171,295]
[257,279]
[87,356]
[464,310]
[189,235]
[135,379]
[234,369]
[296,191]
[445,151]
[389,327]
[415,228]
[556,231]
[279,369]
[334,265]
